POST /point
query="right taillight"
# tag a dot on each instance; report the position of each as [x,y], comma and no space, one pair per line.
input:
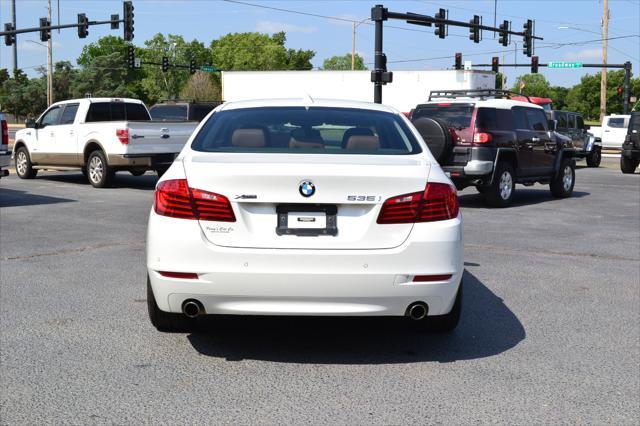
[4,128]
[174,198]
[437,202]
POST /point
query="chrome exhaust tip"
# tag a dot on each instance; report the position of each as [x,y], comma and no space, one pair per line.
[417,311]
[192,308]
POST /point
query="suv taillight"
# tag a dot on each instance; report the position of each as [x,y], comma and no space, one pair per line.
[4,128]
[437,202]
[482,137]
[123,136]
[174,198]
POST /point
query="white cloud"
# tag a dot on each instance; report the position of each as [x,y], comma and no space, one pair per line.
[583,54]
[274,27]
[36,46]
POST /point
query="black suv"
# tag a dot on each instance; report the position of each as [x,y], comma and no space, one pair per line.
[571,124]
[181,110]
[484,139]
[630,155]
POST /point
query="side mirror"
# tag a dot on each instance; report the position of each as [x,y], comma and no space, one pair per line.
[30,123]
[552,125]
[587,126]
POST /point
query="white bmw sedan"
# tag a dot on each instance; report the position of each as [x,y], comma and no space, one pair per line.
[305,207]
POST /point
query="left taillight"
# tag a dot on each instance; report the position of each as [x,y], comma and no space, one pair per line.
[4,128]
[123,136]
[174,198]
[437,202]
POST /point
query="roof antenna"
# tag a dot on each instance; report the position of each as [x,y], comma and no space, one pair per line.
[307,101]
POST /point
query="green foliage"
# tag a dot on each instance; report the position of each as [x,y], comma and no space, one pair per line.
[343,63]
[104,77]
[585,97]
[535,85]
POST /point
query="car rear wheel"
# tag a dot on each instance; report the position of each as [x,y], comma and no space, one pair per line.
[628,165]
[165,321]
[500,192]
[442,323]
[562,185]
[24,168]
[99,173]
[594,159]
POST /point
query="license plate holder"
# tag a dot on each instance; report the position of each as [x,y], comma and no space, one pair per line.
[309,220]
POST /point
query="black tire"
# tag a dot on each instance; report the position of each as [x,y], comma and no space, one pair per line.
[436,135]
[161,170]
[500,192]
[83,170]
[562,185]
[594,159]
[24,168]
[165,321]
[100,175]
[442,323]
[628,165]
[137,172]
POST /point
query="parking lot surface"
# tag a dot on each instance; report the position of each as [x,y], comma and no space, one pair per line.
[549,332]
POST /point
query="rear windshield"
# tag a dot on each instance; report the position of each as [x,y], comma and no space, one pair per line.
[314,130]
[169,112]
[116,111]
[456,116]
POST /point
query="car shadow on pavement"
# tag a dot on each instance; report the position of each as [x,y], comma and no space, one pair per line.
[522,197]
[15,198]
[122,180]
[487,327]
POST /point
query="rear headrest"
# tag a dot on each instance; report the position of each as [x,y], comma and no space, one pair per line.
[248,138]
[309,138]
[355,131]
[363,143]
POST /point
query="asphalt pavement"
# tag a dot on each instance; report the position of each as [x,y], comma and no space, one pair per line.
[550,330]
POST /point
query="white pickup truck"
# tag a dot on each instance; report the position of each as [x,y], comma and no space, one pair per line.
[612,132]
[100,136]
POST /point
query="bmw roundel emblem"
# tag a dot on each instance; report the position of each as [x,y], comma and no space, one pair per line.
[307,188]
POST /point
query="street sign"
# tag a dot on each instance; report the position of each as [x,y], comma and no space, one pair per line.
[137,62]
[562,64]
[209,68]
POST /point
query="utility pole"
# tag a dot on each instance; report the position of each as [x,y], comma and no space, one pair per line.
[15,45]
[49,65]
[603,74]
[353,47]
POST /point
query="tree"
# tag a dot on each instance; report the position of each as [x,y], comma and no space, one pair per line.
[343,63]
[258,52]
[534,85]
[200,88]
[104,77]
[585,96]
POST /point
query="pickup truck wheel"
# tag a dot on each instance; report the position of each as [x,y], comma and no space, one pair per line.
[442,323]
[562,185]
[99,173]
[137,172]
[594,159]
[500,192]
[84,171]
[165,321]
[628,165]
[24,169]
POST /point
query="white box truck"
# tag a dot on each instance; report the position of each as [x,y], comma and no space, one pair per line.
[409,88]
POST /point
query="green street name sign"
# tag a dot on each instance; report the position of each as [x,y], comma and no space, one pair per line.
[209,68]
[561,64]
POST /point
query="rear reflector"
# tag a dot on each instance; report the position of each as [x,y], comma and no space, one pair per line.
[174,198]
[123,136]
[437,202]
[429,278]
[181,275]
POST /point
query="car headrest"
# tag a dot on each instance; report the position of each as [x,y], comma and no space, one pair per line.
[249,138]
[309,138]
[363,143]
[355,131]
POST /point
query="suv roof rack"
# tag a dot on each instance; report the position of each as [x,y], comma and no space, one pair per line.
[475,93]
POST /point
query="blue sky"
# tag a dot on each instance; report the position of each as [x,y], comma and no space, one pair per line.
[407,47]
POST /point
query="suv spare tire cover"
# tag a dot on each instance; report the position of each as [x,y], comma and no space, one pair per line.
[436,135]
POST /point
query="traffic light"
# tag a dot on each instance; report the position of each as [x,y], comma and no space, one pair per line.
[504,34]
[192,66]
[115,21]
[527,46]
[165,64]
[45,34]
[128,20]
[131,57]
[458,64]
[534,65]
[440,26]
[9,39]
[495,64]
[83,25]
[620,90]
[474,30]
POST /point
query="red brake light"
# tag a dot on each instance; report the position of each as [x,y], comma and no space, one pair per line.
[123,136]
[174,198]
[180,275]
[437,202]
[4,140]
[430,278]
[480,137]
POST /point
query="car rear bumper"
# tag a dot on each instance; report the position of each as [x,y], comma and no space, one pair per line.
[5,159]
[141,160]
[304,282]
